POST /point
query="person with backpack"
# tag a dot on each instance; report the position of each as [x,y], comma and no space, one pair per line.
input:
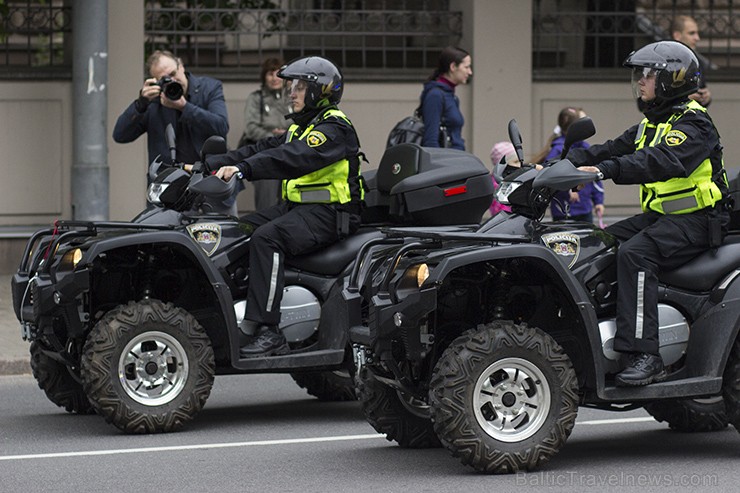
[264,116]
[440,108]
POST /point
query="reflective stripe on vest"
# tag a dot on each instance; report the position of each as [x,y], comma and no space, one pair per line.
[677,195]
[324,186]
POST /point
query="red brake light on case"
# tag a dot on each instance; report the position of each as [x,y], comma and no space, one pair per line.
[449,192]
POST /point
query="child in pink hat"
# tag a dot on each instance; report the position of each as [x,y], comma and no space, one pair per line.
[498,151]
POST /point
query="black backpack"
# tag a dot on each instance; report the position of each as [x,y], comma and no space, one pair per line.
[410,130]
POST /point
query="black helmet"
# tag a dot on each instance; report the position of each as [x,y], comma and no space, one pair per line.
[676,67]
[325,82]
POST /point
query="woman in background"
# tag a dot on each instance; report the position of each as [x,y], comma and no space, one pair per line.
[264,115]
[440,108]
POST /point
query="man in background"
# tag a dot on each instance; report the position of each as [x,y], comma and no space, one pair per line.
[685,30]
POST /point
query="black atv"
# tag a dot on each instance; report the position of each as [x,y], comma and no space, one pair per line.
[133,320]
[487,342]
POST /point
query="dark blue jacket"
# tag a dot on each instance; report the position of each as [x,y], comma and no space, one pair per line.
[204,115]
[439,103]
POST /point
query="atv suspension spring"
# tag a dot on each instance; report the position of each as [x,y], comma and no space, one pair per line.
[148,277]
[498,297]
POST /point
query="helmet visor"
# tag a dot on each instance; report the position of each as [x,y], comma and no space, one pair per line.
[294,86]
[640,74]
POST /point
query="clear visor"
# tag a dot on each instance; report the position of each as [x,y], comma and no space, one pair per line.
[638,74]
[294,86]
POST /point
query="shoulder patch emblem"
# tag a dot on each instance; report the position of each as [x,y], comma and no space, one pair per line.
[315,138]
[675,137]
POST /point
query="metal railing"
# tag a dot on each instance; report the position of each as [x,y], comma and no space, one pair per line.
[570,43]
[404,36]
[34,37]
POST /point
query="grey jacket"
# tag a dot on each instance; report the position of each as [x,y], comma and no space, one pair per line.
[263,112]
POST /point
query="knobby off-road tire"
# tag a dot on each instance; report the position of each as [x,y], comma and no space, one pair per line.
[148,367]
[55,379]
[504,397]
[731,385]
[691,415]
[330,386]
[388,414]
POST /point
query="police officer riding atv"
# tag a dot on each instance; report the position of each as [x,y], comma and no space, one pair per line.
[133,320]
[487,342]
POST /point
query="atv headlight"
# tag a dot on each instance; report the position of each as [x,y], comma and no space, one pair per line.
[506,189]
[70,259]
[414,277]
[422,274]
[155,191]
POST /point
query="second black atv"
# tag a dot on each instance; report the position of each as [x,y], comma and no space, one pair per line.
[487,342]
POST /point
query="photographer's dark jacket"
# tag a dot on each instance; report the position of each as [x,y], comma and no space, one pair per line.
[204,115]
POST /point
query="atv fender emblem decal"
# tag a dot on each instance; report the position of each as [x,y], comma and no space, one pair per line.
[564,245]
[207,235]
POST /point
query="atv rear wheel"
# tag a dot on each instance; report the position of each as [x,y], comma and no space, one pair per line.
[504,397]
[691,415]
[148,367]
[56,380]
[401,418]
[334,386]
[731,385]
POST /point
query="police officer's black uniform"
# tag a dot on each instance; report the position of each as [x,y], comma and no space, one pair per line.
[673,152]
[310,217]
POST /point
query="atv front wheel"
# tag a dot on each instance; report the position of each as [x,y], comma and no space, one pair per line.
[58,383]
[148,367]
[504,397]
[691,415]
[334,386]
[401,418]
[731,385]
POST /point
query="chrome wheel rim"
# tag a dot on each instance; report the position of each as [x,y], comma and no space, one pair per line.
[153,368]
[511,400]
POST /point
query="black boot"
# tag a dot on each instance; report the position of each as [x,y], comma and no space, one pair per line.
[269,341]
[642,369]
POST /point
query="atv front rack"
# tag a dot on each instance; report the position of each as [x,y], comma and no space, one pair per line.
[65,230]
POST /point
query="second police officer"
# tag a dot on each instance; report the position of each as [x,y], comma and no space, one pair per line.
[318,161]
[675,155]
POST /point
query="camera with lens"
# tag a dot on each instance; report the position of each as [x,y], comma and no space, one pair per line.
[171,88]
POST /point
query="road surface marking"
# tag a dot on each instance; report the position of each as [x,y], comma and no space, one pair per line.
[258,443]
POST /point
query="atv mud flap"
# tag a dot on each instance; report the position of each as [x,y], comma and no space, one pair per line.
[386,318]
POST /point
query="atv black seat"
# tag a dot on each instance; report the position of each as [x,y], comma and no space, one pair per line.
[705,271]
[332,260]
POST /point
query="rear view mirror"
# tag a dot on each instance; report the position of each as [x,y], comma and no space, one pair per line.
[214,144]
[579,130]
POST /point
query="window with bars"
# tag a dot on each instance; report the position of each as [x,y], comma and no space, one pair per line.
[35,37]
[576,39]
[390,38]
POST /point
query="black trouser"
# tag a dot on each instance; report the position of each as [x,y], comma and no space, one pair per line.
[651,243]
[284,229]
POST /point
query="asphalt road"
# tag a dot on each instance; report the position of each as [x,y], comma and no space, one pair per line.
[262,433]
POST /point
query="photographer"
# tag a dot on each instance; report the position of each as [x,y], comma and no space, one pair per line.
[194,106]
